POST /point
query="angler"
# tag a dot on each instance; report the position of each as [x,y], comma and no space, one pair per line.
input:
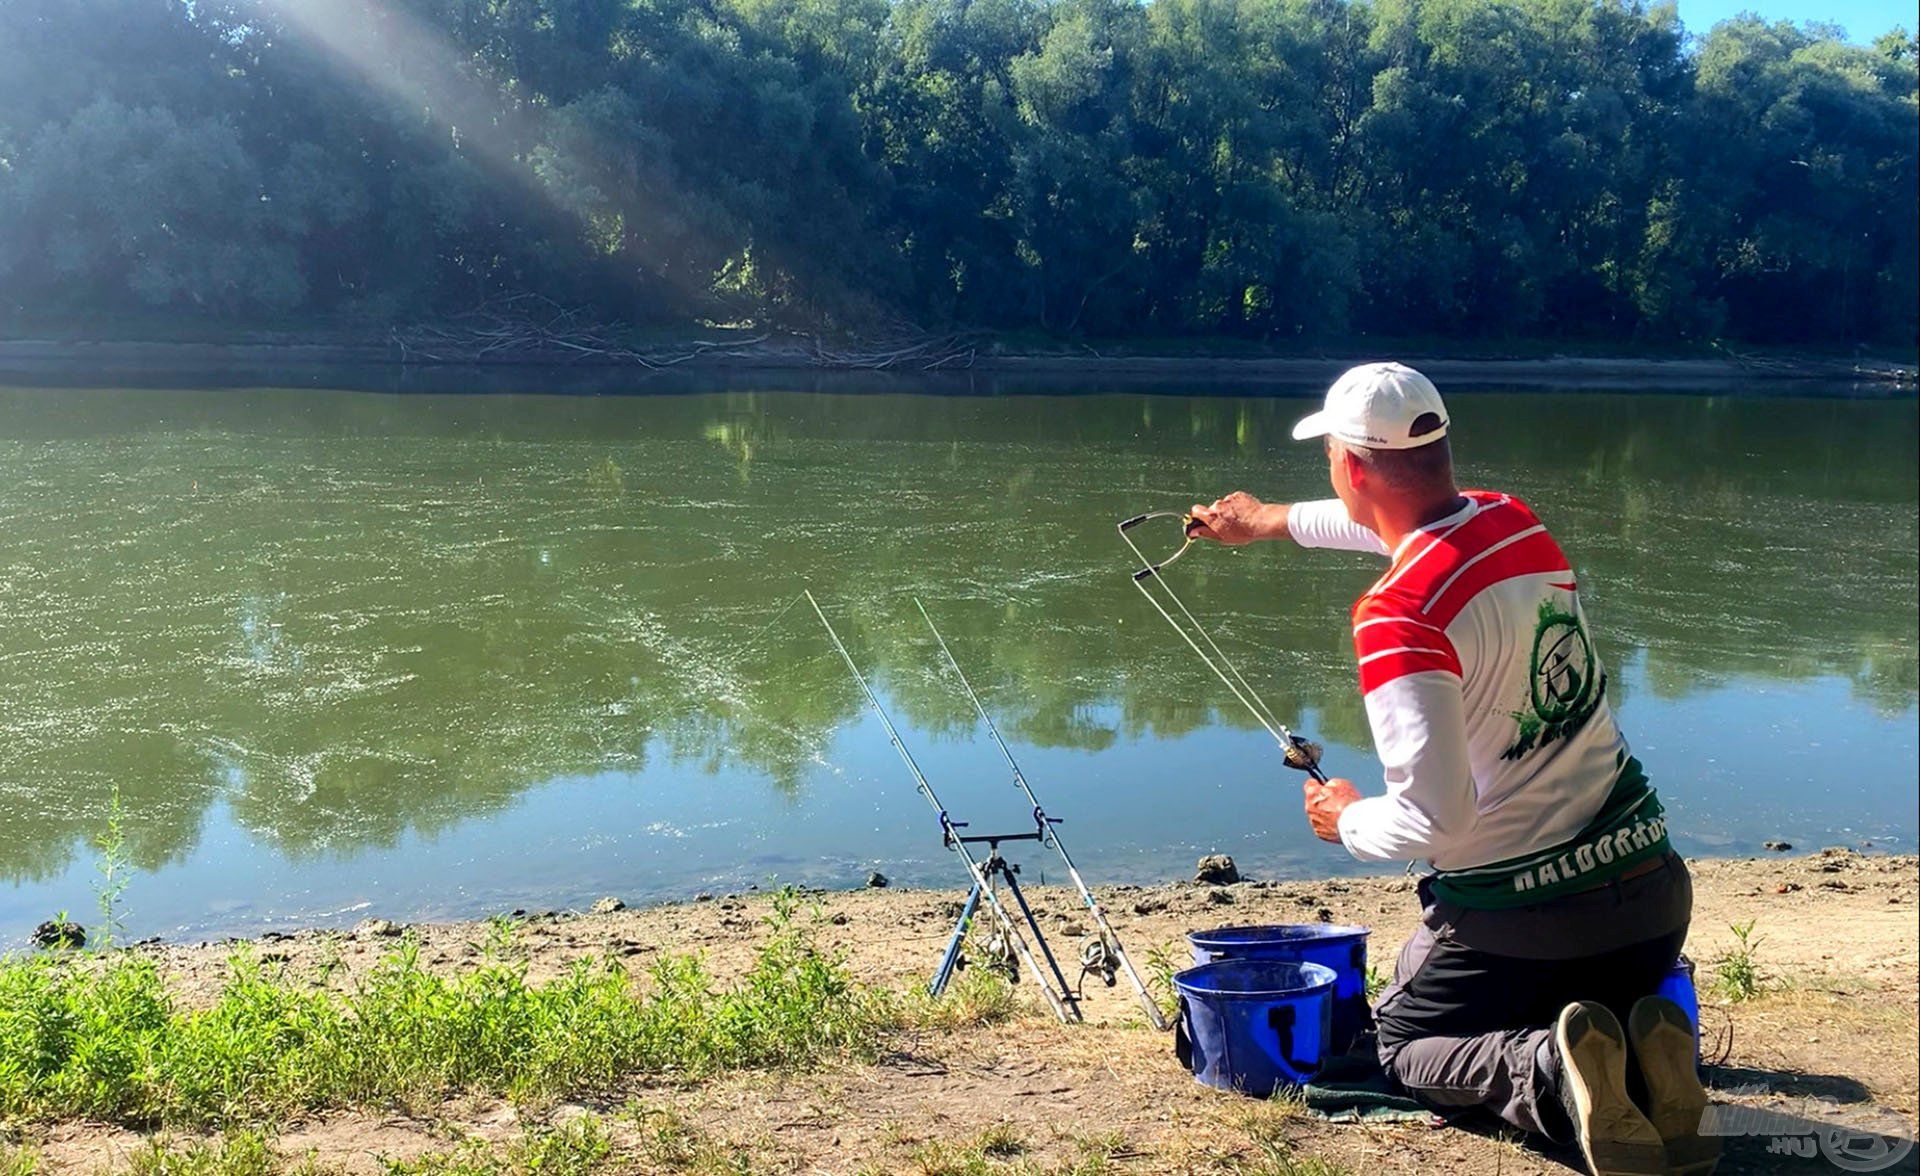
[1556,904]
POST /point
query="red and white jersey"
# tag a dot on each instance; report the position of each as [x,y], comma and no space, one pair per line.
[1487,701]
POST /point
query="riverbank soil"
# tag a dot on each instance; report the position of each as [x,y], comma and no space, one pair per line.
[298,358]
[1832,1033]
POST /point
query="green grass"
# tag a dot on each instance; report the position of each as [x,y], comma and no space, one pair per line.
[18,1161]
[1000,1150]
[976,997]
[102,1038]
[669,1142]
[578,1147]
[237,1153]
[1163,960]
[1736,973]
[1273,1156]
[1267,1125]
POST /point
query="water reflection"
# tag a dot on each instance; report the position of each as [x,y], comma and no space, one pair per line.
[357,619]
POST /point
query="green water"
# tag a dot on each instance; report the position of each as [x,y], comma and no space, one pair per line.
[440,655]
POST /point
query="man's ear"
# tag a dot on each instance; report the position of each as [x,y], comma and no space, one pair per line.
[1356,470]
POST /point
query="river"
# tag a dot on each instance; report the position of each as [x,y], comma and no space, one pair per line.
[340,653]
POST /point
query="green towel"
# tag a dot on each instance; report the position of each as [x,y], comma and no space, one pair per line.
[1352,1088]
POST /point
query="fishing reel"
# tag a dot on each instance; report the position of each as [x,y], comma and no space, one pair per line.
[1098,958]
[1303,754]
[1001,957]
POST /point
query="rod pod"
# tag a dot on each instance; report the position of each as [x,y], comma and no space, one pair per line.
[1049,834]
[985,885]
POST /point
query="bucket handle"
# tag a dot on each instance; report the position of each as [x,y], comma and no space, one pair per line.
[1281,1019]
[1182,1043]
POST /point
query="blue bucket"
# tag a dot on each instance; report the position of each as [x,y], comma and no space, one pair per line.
[1678,988]
[1254,1025]
[1342,949]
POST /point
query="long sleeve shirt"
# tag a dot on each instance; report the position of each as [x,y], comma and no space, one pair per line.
[1486,698]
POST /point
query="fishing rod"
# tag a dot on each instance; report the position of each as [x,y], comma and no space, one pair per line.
[984,874]
[1102,953]
[1298,752]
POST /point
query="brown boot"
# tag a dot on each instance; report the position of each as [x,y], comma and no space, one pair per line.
[1614,1136]
[1663,1045]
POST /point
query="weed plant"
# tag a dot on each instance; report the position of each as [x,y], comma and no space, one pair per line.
[101,1037]
[1736,971]
[575,1148]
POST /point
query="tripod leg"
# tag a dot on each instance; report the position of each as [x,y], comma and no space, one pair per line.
[952,958]
[1039,937]
[1061,1007]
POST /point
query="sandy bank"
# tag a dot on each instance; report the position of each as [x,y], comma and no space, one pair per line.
[1001,367]
[1834,1033]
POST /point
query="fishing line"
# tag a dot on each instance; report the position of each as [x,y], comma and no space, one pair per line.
[1151,570]
[741,653]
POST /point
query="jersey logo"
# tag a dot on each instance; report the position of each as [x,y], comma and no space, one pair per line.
[1564,683]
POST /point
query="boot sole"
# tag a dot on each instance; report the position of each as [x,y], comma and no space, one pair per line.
[1663,1046]
[1615,1137]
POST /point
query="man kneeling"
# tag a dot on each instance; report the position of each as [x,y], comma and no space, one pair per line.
[1556,906]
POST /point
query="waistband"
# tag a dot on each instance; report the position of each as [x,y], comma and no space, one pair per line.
[1629,833]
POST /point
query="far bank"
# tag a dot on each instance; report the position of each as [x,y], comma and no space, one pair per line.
[960,362]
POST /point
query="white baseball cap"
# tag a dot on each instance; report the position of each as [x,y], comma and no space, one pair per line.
[1375,405]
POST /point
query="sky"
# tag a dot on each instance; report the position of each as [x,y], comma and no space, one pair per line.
[1863,19]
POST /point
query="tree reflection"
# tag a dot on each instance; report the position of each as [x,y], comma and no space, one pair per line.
[353,618]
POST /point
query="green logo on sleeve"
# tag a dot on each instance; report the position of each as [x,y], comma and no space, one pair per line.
[1564,683]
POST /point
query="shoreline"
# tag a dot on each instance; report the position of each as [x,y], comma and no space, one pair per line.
[169,363]
[1830,1034]
[1822,874]
[211,933]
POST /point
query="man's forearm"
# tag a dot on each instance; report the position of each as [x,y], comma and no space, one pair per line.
[1270,521]
[1325,523]
[1242,518]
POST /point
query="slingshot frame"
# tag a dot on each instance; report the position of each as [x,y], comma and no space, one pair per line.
[1299,753]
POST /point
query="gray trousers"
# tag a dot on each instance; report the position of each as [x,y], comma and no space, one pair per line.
[1468,1019]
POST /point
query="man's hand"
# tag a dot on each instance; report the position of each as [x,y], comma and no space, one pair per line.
[1236,519]
[1324,805]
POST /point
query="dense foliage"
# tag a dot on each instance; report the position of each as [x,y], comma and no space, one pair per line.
[1271,169]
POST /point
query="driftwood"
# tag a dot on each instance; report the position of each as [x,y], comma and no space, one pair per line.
[529,328]
[917,350]
[1812,368]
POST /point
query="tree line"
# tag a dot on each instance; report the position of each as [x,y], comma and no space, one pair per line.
[1274,170]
